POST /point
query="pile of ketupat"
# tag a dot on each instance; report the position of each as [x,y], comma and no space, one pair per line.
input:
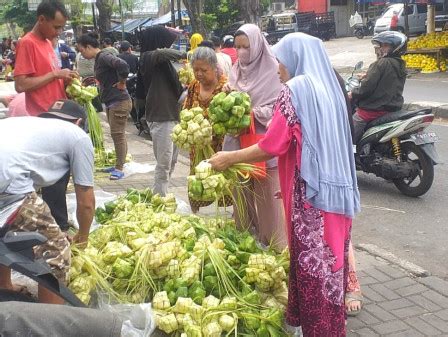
[203,276]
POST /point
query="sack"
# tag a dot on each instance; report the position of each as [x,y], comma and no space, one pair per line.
[249,139]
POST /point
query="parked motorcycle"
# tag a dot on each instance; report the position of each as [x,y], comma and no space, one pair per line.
[396,147]
[361,29]
[137,112]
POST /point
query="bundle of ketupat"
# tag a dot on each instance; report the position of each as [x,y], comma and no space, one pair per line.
[107,158]
[186,74]
[194,132]
[203,276]
[84,96]
[230,113]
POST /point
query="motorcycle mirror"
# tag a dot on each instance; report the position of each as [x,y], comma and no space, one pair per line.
[359,65]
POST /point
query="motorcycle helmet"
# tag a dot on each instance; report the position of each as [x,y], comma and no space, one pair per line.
[397,40]
[228,41]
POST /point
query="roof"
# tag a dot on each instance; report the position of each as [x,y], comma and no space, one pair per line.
[164,19]
[130,25]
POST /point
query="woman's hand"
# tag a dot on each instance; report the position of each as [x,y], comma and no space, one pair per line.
[221,160]
[227,88]
[120,85]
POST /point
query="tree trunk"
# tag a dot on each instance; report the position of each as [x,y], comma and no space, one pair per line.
[195,8]
[104,14]
[250,10]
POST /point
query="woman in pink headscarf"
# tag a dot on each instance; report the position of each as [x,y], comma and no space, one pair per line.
[255,72]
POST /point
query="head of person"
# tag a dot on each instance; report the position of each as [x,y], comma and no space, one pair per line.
[88,45]
[228,41]
[14,45]
[107,42]
[208,44]
[390,44]
[69,111]
[205,65]
[195,40]
[51,18]
[216,42]
[249,43]
[156,37]
[125,47]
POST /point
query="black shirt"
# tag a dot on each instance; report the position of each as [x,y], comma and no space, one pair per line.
[109,70]
[131,60]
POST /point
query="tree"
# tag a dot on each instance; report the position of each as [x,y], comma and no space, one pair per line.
[250,10]
[195,8]
[220,13]
[105,9]
[17,12]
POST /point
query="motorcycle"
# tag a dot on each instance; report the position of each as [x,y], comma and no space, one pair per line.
[137,112]
[361,29]
[397,147]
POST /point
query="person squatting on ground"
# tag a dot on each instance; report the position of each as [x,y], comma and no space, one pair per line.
[111,72]
[34,153]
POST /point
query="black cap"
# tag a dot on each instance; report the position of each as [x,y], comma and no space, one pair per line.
[124,45]
[67,109]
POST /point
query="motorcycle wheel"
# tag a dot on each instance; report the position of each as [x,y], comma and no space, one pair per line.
[411,152]
[359,34]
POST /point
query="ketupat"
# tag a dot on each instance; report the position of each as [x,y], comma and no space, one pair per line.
[230,114]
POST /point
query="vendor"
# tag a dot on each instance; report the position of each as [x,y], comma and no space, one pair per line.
[34,153]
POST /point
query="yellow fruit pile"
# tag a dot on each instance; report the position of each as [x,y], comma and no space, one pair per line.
[427,63]
[433,40]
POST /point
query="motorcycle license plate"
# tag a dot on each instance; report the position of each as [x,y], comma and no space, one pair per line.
[424,138]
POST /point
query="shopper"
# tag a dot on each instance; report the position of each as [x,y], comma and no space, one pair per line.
[111,73]
[108,47]
[310,133]
[228,47]
[224,60]
[162,91]
[256,73]
[195,41]
[66,56]
[127,56]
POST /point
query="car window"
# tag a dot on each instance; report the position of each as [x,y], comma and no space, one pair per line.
[422,8]
[391,11]
[410,10]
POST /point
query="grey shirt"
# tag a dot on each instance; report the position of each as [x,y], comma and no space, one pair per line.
[37,152]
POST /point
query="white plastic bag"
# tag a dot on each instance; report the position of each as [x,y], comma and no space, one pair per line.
[355,19]
[138,319]
[133,168]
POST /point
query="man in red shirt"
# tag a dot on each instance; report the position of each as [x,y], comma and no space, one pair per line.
[228,48]
[37,72]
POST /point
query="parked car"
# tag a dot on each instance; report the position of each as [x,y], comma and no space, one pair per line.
[417,15]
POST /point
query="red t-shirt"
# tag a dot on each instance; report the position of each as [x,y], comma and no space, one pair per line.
[231,52]
[36,57]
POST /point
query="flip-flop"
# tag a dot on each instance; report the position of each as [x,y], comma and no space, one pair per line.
[116,175]
[108,169]
[353,297]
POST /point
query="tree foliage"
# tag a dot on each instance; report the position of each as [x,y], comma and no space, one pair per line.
[219,14]
[18,13]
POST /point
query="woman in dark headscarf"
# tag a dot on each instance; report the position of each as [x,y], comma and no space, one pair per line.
[161,88]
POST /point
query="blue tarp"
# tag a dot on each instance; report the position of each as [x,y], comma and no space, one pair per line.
[164,19]
[130,25]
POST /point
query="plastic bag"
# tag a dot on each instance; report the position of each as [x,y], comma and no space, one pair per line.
[101,198]
[138,319]
[355,19]
[134,168]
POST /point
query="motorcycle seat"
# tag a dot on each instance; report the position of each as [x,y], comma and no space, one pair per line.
[397,116]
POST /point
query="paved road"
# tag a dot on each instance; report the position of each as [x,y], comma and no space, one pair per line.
[413,229]
[427,88]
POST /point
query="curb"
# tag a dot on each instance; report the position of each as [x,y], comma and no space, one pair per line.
[389,257]
[440,110]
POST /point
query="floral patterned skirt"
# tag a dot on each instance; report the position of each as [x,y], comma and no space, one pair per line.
[316,293]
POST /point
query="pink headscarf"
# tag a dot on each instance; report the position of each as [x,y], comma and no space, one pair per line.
[259,78]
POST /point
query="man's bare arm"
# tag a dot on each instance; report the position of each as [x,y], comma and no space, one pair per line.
[85,210]
[26,83]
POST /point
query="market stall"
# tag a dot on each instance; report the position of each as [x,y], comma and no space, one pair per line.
[428,53]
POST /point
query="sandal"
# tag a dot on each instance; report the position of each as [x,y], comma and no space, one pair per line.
[349,299]
[108,169]
[116,175]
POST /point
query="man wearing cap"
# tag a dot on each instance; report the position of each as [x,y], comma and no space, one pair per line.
[127,56]
[34,153]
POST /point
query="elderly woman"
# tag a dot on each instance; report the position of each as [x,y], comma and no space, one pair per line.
[208,82]
[310,134]
[255,72]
